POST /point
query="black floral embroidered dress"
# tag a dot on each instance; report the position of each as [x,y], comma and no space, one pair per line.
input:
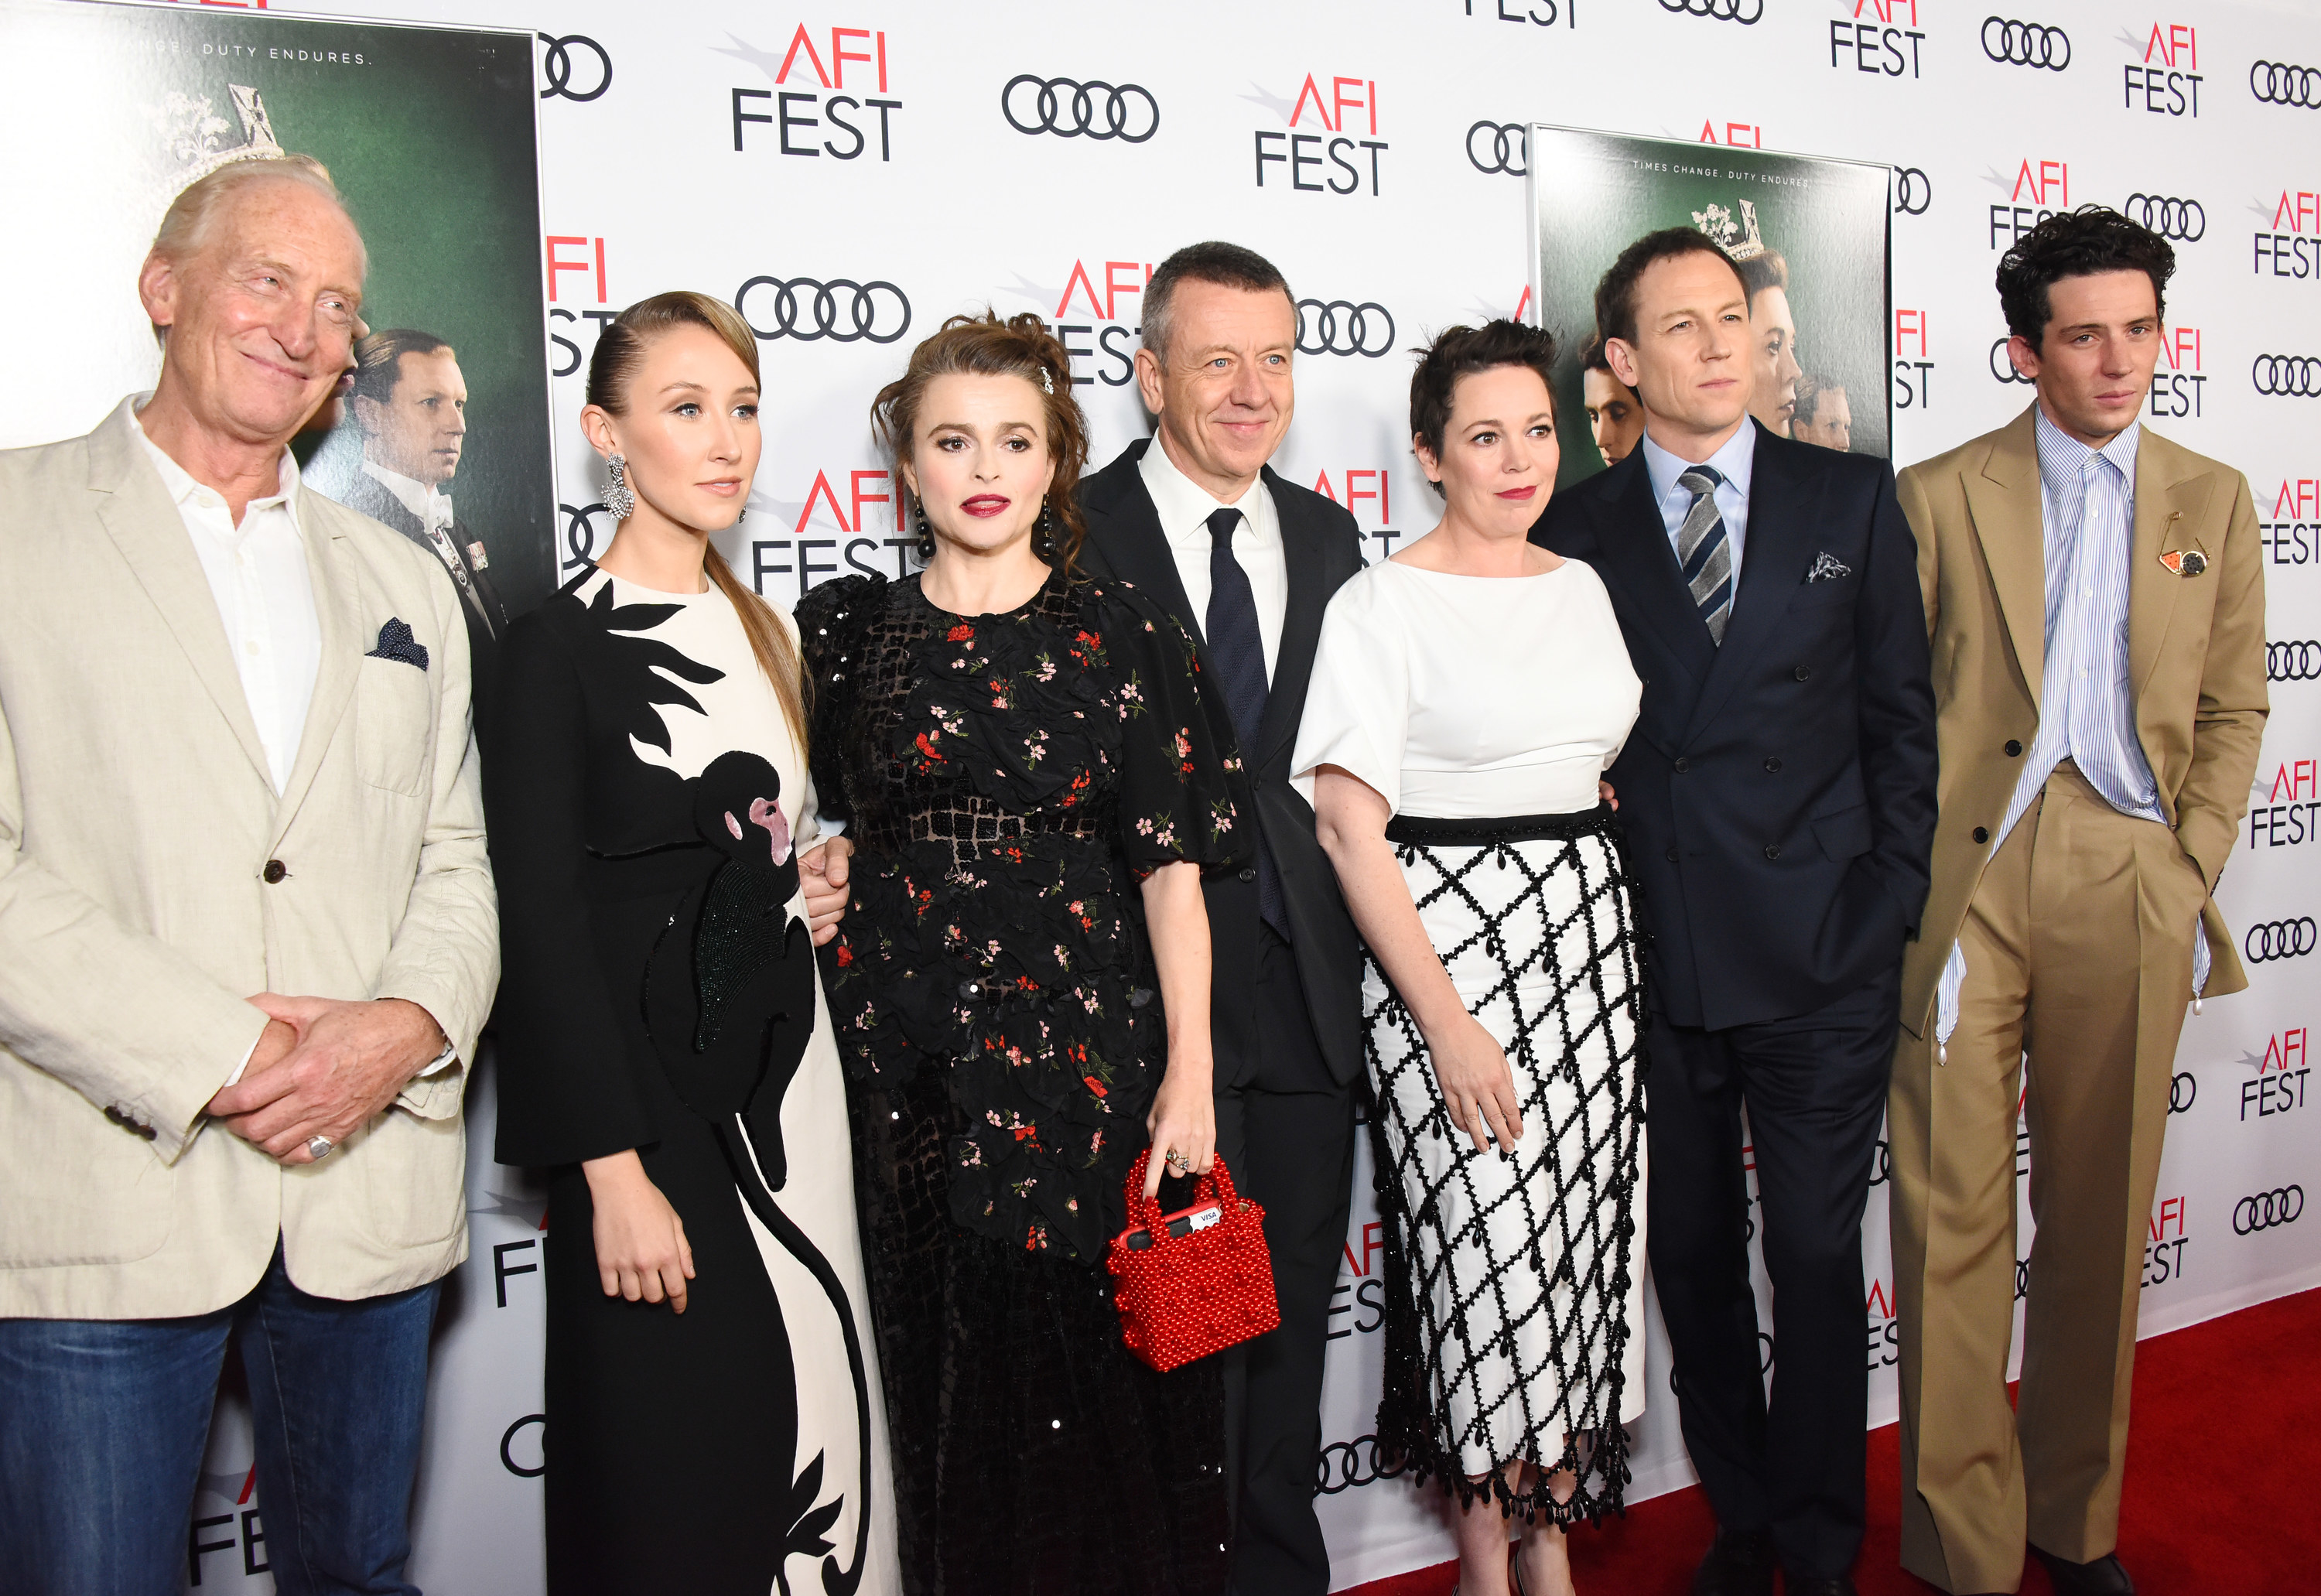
[1009,780]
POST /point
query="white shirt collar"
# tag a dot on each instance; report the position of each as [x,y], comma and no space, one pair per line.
[183,488]
[1735,461]
[414,496]
[1185,507]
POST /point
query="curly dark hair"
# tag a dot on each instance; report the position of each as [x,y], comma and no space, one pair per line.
[2076,243]
[1462,352]
[987,346]
[1615,294]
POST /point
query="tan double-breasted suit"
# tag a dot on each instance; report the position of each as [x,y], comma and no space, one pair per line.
[152,879]
[2078,937]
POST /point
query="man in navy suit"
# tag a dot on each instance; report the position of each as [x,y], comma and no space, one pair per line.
[1247,562]
[1779,797]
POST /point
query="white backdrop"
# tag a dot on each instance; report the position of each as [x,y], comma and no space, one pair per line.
[737,148]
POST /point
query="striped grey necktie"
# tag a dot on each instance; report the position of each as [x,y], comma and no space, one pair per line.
[1701,551]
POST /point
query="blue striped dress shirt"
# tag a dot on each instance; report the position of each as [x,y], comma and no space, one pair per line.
[2087,702]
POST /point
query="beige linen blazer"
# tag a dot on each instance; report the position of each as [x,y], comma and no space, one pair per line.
[139,909]
[2196,659]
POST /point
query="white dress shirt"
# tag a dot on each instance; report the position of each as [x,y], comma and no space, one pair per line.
[1736,462]
[1185,509]
[265,594]
[432,506]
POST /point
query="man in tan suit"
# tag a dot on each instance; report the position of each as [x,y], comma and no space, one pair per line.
[246,936]
[2094,597]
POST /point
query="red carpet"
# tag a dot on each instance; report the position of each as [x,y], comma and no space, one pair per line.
[2222,1457]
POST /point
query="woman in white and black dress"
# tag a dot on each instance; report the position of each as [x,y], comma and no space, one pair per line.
[1466,696]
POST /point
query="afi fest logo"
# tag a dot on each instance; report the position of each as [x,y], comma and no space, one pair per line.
[1913,379]
[2013,43]
[585,257]
[2040,188]
[1331,146]
[575,67]
[1358,1303]
[2176,386]
[2289,244]
[2278,1084]
[1103,299]
[859,547]
[2293,535]
[1367,494]
[1738,135]
[808,117]
[1874,45]
[2163,1254]
[1539,13]
[1884,1328]
[2284,815]
[2163,82]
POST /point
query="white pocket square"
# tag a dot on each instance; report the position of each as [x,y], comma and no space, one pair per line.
[1828,569]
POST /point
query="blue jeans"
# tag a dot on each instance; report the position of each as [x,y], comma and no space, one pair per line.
[102,1425]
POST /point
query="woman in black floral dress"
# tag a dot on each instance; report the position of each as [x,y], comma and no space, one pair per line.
[1032,780]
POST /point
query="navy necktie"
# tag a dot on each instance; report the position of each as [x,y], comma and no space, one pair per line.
[1237,655]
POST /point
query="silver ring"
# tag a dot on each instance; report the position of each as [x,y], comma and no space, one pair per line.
[318,1148]
[1175,1158]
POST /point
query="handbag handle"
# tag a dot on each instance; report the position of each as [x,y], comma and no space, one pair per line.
[1216,1186]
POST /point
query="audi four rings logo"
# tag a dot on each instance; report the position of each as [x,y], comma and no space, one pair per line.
[2179,219]
[2280,1206]
[2292,662]
[2279,939]
[2183,1092]
[840,310]
[1745,12]
[557,65]
[1913,191]
[2004,368]
[2276,83]
[1343,1465]
[1509,150]
[2026,44]
[2286,377]
[580,533]
[1337,328]
[1072,110]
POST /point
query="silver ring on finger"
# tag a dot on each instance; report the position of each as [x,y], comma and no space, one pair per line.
[1176,1161]
[318,1148]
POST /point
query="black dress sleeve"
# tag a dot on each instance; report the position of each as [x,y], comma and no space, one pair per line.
[567,1090]
[832,620]
[1184,795]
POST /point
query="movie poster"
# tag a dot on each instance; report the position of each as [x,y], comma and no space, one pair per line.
[1808,234]
[429,133]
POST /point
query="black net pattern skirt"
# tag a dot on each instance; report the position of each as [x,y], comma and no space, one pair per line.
[1034,1455]
[1514,1294]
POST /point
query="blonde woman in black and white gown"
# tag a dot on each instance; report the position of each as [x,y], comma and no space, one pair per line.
[1466,696]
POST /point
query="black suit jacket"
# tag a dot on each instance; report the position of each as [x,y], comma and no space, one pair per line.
[1323,548]
[479,600]
[1777,791]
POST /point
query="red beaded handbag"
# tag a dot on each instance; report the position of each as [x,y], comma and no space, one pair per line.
[1194,1281]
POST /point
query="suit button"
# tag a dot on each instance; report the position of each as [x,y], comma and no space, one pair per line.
[1248,872]
[1982,834]
[2013,749]
[1803,673]
[1682,765]
[275,870]
[1773,763]
[1772,850]
[1671,855]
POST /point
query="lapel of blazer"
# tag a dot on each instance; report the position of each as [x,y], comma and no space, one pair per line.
[1784,507]
[146,526]
[337,578]
[1304,553]
[2003,501]
[1126,528]
[1634,542]
[2172,502]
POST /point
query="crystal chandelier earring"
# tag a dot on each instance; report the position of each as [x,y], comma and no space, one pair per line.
[620,499]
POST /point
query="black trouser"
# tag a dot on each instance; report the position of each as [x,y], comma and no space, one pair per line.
[1815,1087]
[1287,1132]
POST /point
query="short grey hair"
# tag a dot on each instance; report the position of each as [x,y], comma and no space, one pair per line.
[1229,266]
[186,225]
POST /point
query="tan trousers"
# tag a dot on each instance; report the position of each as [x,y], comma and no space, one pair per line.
[2079,952]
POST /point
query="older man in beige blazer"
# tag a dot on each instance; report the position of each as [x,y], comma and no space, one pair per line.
[247,937]
[2094,597]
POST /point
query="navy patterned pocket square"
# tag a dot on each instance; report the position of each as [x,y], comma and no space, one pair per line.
[395,643]
[1828,569]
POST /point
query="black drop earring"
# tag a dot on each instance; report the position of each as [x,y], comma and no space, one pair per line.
[926,532]
[1043,532]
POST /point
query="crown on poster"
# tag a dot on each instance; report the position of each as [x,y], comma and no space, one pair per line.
[194,133]
[1739,240]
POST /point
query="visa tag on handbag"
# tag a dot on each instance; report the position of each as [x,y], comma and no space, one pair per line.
[1202,1218]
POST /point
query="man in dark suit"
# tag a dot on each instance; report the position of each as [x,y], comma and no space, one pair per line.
[1779,795]
[1247,562]
[411,403]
